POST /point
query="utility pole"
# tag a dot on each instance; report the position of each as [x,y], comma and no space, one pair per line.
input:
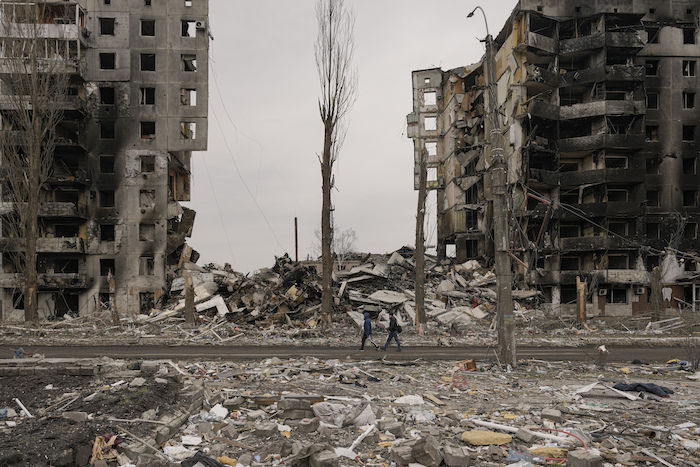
[499,171]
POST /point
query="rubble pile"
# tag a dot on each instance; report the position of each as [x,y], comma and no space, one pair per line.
[314,412]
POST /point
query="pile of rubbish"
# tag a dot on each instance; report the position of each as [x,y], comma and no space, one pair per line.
[289,293]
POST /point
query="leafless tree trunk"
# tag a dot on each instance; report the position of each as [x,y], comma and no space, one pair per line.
[334,50]
[34,90]
[420,244]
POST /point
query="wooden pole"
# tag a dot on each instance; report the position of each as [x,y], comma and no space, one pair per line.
[189,301]
[581,299]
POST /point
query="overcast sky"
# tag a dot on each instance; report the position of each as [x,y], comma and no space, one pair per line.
[261,170]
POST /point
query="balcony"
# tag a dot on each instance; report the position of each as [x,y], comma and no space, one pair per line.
[540,42]
[48,281]
[605,276]
[582,44]
[46,245]
[609,209]
[67,103]
[601,141]
[594,243]
[624,40]
[585,177]
[585,110]
[51,209]
[607,73]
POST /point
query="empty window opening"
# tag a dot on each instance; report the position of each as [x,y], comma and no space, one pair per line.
[569,197]
[688,100]
[148,27]
[689,68]
[568,294]
[107,95]
[426,81]
[189,28]
[569,231]
[108,61]
[653,166]
[617,195]
[106,198]
[430,123]
[652,100]
[615,162]
[65,266]
[148,62]
[147,232]
[618,262]
[690,198]
[618,295]
[688,132]
[652,10]
[690,231]
[188,130]
[107,130]
[570,263]
[690,165]
[107,267]
[188,96]
[189,62]
[66,195]
[148,163]
[653,231]
[146,302]
[108,2]
[17,300]
[431,148]
[66,303]
[578,9]
[148,130]
[148,2]
[106,164]
[107,232]
[653,35]
[147,96]
[188,2]
[107,26]
[66,230]
[652,67]
[620,227]
[147,198]
[652,262]
[652,133]
[539,8]
[432,174]
[146,266]
[429,98]
[653,198]
[689,36]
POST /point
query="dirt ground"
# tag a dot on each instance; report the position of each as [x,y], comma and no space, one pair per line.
[48,438]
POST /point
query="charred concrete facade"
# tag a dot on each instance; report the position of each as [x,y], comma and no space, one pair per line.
[111,222]
[596,102]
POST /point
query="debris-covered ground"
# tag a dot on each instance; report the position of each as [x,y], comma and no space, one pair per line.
[330,412]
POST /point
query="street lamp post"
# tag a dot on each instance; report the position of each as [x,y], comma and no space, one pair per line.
[504,303]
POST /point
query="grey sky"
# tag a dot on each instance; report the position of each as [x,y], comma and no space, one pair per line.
[264,124]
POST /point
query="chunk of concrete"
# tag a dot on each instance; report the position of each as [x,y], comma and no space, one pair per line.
[402,455]
[149,367]
[526,435]
[457,457]
[582,458]
[265,429]
[257,415]
[324,459]
[552,414]
[297,414]
[293,404]
[137,382]
[427,452]
[309,425]
[392,426]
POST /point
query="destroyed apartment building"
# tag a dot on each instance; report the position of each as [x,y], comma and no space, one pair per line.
[597,106]
[110,220]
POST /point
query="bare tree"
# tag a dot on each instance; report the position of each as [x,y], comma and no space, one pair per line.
[420,243]
[35,83]
[334,50]
[342,243]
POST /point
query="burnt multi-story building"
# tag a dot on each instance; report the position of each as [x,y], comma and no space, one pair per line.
[597,107]
[110,219]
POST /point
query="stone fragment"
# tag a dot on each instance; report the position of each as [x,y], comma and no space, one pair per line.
[76,416]
[392,426]
[62,459]
[234,402]
[495,453]
[137,382]
[245,459]
[402,455]
[552,414]
[149,367]
[83,455]
[427,452]
[324,459]
[296,414]
[485,438]
[257,415]
[265,429]
[309,425]
[582,458]
[324,432]
[457,457]
[293,404]
[525,435]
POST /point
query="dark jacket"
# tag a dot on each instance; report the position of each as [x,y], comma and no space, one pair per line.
[393,325]
[368,325]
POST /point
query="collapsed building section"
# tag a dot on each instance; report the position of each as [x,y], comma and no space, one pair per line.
[597,108]
[111,223]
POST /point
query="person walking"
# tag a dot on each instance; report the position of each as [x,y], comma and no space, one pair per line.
[394,330]
[367,333]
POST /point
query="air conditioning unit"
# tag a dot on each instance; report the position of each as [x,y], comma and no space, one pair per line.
[200,25]
[639,290]
[602,291]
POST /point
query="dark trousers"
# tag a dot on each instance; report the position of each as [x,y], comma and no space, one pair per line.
[393,335]
[364,338]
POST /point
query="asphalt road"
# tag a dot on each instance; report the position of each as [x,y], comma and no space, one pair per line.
[480,354]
